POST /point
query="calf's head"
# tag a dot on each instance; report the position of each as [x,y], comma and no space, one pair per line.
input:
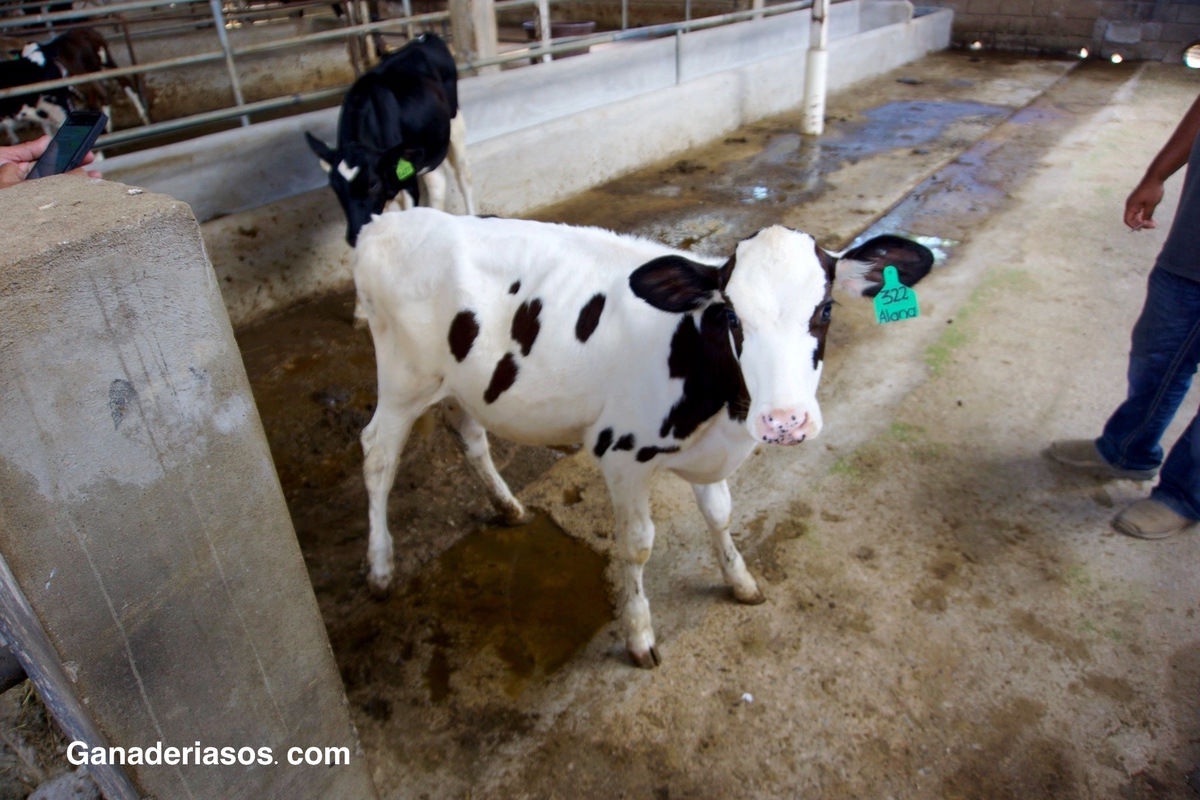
[751,338]
[365,181]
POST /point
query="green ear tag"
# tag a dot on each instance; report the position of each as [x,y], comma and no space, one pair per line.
[405,169]
[895,301]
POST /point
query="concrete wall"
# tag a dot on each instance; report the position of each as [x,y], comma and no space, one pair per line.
[729,76]
[142,519]
[1154,30]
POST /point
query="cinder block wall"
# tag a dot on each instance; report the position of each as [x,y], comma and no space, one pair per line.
[1149,30]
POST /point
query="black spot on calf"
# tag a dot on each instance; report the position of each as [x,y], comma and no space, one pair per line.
[818,326]
[525,325]
[647,453]
[516,287]
[626,442]
[603,442]
[589,318]
[463,331]
[712,378]
[503,377]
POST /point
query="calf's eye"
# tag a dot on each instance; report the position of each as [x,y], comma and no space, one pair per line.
[732,318]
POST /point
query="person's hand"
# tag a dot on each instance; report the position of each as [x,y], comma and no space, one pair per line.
[1140,205]
[16,161]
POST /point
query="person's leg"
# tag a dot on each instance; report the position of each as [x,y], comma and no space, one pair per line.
[1164,354]
[1179,482]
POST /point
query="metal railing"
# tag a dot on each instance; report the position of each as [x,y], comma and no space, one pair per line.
[146,17]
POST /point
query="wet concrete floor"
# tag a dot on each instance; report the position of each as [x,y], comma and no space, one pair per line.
[927,151]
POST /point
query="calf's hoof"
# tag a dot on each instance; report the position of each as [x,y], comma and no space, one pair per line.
[379,587]
[512,516]
[751,596]
[645,659]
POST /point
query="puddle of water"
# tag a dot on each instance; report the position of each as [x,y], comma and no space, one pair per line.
[530,594]
[792,168]
[903,124]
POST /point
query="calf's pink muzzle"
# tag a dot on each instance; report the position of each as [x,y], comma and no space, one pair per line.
[786,426]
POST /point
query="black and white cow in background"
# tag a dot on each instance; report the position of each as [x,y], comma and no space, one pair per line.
[398,123]
[47,108]
[83,51]
[650,357]
[77,52]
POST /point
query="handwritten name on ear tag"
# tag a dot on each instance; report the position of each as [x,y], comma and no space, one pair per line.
[895,301]
[405,169]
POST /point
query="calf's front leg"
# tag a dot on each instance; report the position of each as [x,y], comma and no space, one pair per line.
[630,493]
[717,507]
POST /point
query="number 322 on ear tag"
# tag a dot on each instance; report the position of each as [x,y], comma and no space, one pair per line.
[895,301]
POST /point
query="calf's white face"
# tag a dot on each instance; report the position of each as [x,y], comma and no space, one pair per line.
[780,288]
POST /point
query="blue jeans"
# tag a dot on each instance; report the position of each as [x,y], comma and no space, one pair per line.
[1162,361]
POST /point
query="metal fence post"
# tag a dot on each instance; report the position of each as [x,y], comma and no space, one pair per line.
[219,23]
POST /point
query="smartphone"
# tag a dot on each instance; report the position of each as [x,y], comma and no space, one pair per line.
[70,145]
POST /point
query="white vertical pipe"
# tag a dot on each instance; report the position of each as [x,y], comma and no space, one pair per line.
[543,10]
[816,71]
[678,57]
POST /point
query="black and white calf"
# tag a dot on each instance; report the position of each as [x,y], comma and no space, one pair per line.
[398,123]
[650,357]
[82,51]
[77,52]
[47,109]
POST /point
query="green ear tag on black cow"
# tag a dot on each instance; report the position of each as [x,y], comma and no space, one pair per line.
[895,301]
[405,169]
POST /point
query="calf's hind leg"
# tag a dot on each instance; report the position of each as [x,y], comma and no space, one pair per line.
[400,403]
[457,156]
[434,185]
[473,439]
[717,507]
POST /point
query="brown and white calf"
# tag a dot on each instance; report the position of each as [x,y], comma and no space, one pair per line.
[650,357]
[80,51]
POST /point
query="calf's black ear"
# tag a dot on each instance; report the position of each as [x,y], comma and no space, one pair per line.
[911,260]
[674,283]
[323,151]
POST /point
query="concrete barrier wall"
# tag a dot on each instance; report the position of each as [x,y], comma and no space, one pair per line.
[142,519]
